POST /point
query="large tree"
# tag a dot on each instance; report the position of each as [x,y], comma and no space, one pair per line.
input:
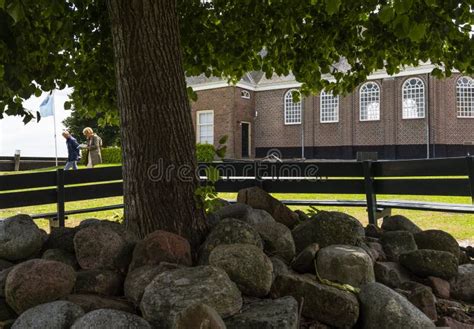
[133,55]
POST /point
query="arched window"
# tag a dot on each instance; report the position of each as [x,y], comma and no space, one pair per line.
[292,109]
[329,105]
[245,94]
[465,97]
[413,96]
[369,102]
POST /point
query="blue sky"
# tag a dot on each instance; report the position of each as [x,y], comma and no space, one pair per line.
[35,138]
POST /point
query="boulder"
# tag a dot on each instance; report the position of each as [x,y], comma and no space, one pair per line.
[259,199]
[57,315]
[199,316]
[462,286]
[90,303]
[236,210]
[395,243]
[422,297]
[426,262]
[279,266]
[38,281]
[381,308]
[324,303]
[111,319]
[62,256]
[281,313]
[327,228]
[379,249]
[345,264]
[229,231]
[456,310]
[277,239]
[373,231]
[6,312]
[304,262]
[246,265]
[4,264]
[104,246]
[399,223]
[447,322]
[20,238]
[258,216]
[61,238]
[172,292]
[101,282]
[391,274]
[3,280]
[161,246]
[437,240]
[373,254]
[138,279]
[441,288]
[302,216]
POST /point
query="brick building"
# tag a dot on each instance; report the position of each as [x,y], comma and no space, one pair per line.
[409,115]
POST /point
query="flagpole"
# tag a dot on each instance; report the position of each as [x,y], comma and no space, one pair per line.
[55,134]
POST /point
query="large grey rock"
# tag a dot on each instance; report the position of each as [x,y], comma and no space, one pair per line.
[304,262]
[396,243]
[161,246]
[462,286]
[277,239]
[391,274]
[20,238]
[236,210]
[281,313]
[38,281]
[437,240]
[62,256]
[3,280]
[381,308]
[258,216]
[228,231]
[324,303]
[61,238]
[199,316]
[426,262]
[399,223]
[246,265]
[101,282]
[422,297]
[279,267]
[104,246]
[111,319]
[137,280]
[90,302]
[259,199]
[327,228]
[173,291]
[55,315]
[345,264]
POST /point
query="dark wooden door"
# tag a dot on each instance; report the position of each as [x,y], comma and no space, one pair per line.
[245,139]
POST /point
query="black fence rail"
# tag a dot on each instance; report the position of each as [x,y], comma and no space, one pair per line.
[444,177]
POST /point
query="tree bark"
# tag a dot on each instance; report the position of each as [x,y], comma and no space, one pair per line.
[156,125]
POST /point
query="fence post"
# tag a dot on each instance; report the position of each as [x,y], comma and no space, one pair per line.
[60,196]
[369,192]
[470,171]
[17,160]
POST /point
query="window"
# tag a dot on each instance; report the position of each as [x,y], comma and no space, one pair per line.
[292,109]
[413,106]
[465,97]
[369,102]
[329,107]
[205,124]
[245,94]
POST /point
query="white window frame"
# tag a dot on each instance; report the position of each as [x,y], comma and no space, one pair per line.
[245,94]
[465,94]
[415,94]
[292,110]
[198,125]
[326,99]
[367,97]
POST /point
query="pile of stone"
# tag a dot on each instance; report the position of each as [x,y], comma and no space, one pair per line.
[261,266]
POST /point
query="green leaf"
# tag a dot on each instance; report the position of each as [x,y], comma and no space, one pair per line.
[192,95]
[15,10]
[403,6]
[386,14]
[332,6]
[38,92]
[221,152]
[223,139]
[67,105]
[402,26]
[2,4]
[417,32]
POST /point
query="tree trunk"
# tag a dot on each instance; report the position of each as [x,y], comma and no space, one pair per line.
[156,125]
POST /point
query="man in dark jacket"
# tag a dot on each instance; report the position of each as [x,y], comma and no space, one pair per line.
[73,151]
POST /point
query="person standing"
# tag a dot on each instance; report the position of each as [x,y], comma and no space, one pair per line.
[93,145]
[73,151]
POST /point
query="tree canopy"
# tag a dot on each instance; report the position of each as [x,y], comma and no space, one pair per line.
[47,44]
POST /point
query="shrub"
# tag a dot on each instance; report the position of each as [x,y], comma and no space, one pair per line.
[109,155]
[205,152]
